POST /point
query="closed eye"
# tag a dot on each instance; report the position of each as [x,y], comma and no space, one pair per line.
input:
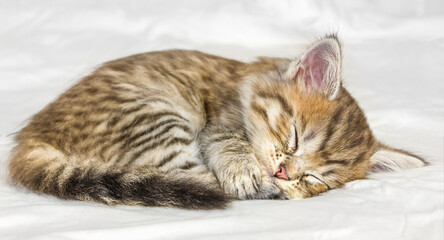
[296,143]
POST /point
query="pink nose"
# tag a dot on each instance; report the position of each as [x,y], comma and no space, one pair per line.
[281,174]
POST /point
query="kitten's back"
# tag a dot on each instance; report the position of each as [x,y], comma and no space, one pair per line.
[126,134]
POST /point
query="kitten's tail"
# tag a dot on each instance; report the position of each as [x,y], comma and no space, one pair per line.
[129,187]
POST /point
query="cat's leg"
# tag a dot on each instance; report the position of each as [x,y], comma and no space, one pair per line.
[229,155]
[185,162]
[168,143]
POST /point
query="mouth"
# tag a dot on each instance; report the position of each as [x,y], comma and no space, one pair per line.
[281,173]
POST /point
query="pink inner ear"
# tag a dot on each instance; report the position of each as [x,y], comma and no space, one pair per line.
[315,68]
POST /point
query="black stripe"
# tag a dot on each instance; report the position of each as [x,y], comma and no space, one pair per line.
[52,185]
[137,120]
[351,122]
[151,117]
[91,111]
[309,136]
[86,123]
[91,90]
[263,114]
[145,149]
[282,101]
[104,109]
[329,172]
[79,114]
[341,162]
[120,67]
[158,143]
[116,99]
[180,80]
[359,158]
[355,142]
[115,88]
[70,94]
[113,121]
[184,141]
[370,141]
[125,129]
[141,118]
[188,165]
[168,158]
[221,138]
[303,123]
[75,139]
[261,111]
[280,132]
[165,130]
[134,109]
[337,116]
[59,119]
[167,74]
[149,130]
[71,185]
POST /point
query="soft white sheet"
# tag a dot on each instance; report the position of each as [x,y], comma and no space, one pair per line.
[393,64]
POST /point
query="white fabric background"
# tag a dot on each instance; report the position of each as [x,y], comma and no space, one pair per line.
[393,65]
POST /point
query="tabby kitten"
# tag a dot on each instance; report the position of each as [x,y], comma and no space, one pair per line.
[192,130]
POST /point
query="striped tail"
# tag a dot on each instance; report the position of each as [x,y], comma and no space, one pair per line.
[129,187]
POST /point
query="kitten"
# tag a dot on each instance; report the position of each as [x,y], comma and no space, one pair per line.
[191,130]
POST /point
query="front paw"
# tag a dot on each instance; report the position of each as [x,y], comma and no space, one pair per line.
[245,181]
[241,181]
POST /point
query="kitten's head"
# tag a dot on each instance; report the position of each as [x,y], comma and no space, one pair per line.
[307,131]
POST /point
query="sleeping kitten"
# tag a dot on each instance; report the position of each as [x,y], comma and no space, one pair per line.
[192,130]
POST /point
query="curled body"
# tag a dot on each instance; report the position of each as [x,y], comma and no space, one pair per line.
[187,129]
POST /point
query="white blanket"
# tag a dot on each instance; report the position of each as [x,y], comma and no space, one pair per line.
[393,65]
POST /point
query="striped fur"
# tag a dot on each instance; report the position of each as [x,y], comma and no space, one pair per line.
[191,130]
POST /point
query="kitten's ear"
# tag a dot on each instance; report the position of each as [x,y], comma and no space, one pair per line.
[319,69]
[390,159]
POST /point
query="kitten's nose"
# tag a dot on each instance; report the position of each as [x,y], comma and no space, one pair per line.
[281,173]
